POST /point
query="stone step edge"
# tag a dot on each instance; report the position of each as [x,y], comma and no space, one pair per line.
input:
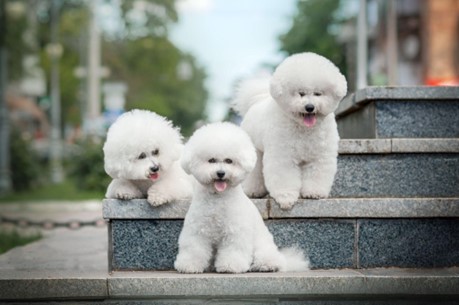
[170,284]
[398,145]
[304,208]
[310,283]
[360,98]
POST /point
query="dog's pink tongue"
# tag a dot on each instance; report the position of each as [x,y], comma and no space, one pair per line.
[220,186]
[309,120]
[154,176]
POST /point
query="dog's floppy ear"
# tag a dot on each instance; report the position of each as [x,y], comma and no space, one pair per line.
[275,88]
[112,164]
[185,161]
[341,86]
[112,168]
[176,151]
[248,159]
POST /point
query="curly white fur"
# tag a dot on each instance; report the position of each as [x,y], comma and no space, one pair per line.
[142,154]
[223,228]
[291,122]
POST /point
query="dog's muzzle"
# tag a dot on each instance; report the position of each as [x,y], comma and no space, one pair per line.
[309,117]
[153,174]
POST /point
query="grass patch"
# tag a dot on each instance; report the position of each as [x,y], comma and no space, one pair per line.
[11,239]
[63,191]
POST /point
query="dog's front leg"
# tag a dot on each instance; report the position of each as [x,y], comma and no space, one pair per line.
[282,178]
[195,253]
[234,254]
[175,186]
[254,184]
[123,189]
[318,177]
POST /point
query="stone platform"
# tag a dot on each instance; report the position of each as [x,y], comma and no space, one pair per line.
[395,203]
[335,233]
[397,168]
[400,112]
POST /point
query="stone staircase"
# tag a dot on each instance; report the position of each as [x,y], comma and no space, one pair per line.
[392,220]
[389,234]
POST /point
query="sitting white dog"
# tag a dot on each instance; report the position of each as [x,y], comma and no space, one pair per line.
[142,154]
[223,227]
[290,119]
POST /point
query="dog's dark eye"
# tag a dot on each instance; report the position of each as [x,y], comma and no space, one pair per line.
[317,93]
[155,152]
[142,156]
[212,160]
[301,93]
[228,161]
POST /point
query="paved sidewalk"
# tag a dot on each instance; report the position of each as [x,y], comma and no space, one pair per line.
[60,249]
[69,266]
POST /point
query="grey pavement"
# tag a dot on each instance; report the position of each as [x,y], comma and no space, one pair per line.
[71,265]
[60,249]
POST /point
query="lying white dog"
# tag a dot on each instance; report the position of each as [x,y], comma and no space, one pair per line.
[291,122]
[223,227]
[142,154]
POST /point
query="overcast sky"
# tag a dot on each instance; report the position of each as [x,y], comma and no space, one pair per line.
[231,39]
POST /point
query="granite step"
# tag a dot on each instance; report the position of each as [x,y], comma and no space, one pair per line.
[397,168]
[335,233]
[400,112]
[320,287]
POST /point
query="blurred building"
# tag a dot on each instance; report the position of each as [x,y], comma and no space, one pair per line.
[409,42]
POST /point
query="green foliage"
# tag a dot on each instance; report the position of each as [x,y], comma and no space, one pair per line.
[66,191]
[15,25]
[12,239]
[87,168]
[158,14]
[26,171]
[138,52]
[150,67]
[311,31]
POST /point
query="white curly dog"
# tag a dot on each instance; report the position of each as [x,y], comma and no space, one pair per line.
[142,154]
[223,229]
[291,122]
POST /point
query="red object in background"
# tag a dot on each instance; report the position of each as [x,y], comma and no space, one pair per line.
[450,81]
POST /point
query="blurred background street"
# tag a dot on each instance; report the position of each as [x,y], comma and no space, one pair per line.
[69,68]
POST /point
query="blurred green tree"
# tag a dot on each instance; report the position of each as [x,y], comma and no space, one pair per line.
[160,77]
[314,29]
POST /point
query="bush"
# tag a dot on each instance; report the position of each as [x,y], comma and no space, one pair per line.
[9,240]
[26,169]
[87,167]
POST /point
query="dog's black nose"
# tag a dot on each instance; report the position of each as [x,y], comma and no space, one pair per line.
[309,108]
[220,174]
[154,169]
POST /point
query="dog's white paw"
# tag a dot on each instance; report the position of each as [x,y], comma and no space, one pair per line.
[157,199]
[183,267]
[265,266]
[254,190]
[286,200]
[314,194]
[126,196]
[233,264]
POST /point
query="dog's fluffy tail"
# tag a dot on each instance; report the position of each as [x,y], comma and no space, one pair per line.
[249,93]
[293,260]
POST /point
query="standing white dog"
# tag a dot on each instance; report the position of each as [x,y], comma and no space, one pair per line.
[291,122]
[142,154]
[223,227]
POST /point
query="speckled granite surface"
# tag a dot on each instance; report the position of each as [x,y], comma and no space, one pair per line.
[397,175]
[400,112]
[329,243]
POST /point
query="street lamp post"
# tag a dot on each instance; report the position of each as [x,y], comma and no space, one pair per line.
[55,51]
[362,45]
[5,174]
